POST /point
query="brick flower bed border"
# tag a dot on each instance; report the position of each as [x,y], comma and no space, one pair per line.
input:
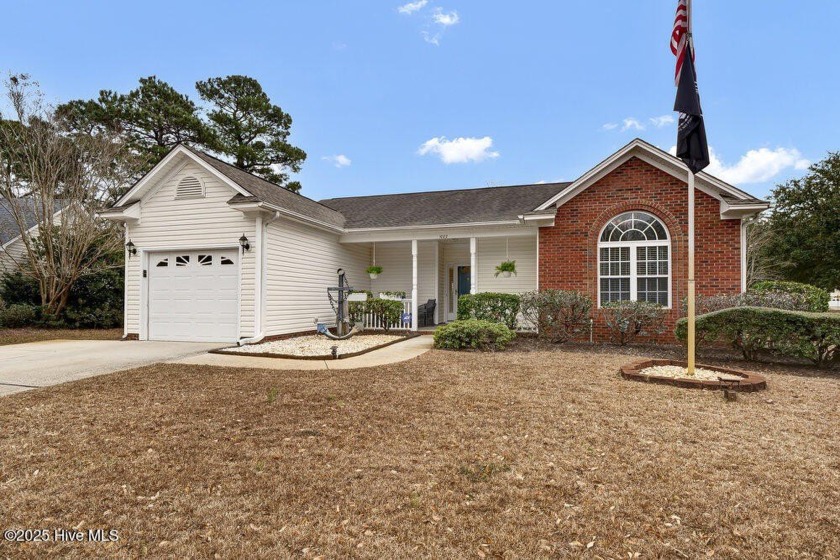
[749,381]
[403,338]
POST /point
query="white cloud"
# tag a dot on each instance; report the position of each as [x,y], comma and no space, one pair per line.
[412,7]
[756,166]
[459,150]
[445,19]
[434,39]
[439,23]
[631,123]
[339,160]
[664,120]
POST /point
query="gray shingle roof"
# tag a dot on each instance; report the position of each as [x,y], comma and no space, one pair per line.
[735,200]
[489,204]
[29,210]
[266,191]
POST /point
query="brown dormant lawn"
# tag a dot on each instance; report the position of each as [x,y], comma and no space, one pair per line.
[521,454]
[20,336]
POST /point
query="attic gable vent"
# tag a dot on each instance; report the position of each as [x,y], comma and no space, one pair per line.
[189,187]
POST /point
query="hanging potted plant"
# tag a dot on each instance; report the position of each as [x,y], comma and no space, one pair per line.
[506,268]
[373,270]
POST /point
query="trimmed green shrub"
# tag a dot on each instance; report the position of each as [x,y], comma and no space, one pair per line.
[473,333]
[18,315]
[95,300]
[490,306]
[18,288]
[774,300]
[390,310]
[756,330]
[630,319]
[816,298]
[558,315]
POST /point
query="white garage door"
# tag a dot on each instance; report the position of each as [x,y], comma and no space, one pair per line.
[193,296]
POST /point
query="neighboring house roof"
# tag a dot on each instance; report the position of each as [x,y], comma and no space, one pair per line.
[462,206]
[28,209]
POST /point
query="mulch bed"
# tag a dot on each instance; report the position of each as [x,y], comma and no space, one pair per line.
[404,337]
[750,381]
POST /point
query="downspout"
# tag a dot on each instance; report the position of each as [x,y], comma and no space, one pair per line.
[745,222]
[125,284]
[259,280]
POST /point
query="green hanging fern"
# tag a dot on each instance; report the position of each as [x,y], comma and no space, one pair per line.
[506,266]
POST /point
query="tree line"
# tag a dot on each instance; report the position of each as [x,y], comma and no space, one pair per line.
[238,121]
[799,239]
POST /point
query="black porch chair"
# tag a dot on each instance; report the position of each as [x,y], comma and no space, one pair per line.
[426,314]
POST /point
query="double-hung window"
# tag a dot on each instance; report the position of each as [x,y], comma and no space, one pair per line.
[634,260]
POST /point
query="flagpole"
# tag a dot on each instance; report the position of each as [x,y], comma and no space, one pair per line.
[690,319]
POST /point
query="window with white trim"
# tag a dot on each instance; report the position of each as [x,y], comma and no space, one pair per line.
[634,260]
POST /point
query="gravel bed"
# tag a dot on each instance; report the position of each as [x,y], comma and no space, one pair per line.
[316,345]
[679,372]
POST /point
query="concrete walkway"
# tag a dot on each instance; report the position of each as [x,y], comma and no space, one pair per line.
[399,352]
[40,364]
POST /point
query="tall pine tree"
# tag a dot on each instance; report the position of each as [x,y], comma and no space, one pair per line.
[152,118]
[251,130]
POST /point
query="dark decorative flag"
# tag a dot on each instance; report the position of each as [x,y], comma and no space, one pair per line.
[691,132]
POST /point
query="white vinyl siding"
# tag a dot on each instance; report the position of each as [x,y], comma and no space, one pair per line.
[12,256]
[300,264]
[491,253]
[196,223]
[395,260]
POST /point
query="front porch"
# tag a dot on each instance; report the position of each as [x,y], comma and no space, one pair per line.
[435,272]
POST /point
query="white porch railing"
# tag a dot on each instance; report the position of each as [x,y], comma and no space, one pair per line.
[375,321]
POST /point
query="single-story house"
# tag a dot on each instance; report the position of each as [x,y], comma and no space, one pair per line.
[218,254]
[26,213]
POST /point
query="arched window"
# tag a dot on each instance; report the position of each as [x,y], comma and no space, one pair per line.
[634,260]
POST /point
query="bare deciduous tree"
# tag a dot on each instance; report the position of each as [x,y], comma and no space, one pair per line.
[52,183]
[760,264]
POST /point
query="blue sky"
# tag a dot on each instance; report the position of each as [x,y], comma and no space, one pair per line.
[536,91]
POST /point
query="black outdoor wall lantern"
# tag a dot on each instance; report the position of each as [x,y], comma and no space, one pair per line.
[243,242]
[132,250]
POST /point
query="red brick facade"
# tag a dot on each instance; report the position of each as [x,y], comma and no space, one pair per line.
[569,254]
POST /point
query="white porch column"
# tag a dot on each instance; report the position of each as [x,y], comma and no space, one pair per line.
[473,268]
[414,318]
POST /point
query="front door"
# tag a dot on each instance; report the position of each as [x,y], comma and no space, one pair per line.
[459,281]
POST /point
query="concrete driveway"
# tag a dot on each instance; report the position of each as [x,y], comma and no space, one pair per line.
[40,364]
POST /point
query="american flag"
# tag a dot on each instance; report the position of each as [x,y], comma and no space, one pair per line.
[679,36]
